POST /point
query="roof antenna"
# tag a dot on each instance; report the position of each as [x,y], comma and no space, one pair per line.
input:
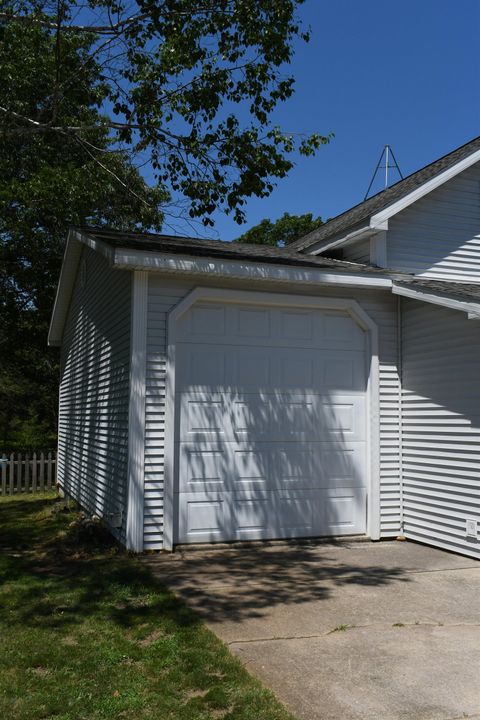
[387,153]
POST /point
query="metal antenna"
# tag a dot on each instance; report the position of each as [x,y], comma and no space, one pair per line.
[387,153]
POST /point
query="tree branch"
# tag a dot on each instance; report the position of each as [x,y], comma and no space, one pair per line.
[114,28]
[95,29]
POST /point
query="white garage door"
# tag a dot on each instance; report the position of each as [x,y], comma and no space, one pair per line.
[271,423]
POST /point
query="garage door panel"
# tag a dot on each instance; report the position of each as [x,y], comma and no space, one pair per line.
[203,419]
[204,518]
[345,511]
[297,513]
[281,417]
[250,469]
[253,516]
[341,331]
[231,467]
[270,327]
[203,469]
[213,368]
[201,367]
[343,466]
[250,368]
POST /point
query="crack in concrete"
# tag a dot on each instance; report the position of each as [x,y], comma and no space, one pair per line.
[347,628]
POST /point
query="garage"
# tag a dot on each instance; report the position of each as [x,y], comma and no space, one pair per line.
[271,422]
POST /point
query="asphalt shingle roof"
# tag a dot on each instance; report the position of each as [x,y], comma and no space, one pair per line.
[364,210]
[465,292]
[228,250]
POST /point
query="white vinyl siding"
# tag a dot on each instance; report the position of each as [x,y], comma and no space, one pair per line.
[94,390]
[356,252]
[165,294]
[439,235]
[441,426]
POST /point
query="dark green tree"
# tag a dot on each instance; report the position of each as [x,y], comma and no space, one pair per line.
[49,180]
[281,232]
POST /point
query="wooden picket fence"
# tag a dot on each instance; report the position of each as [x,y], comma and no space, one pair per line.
[27,473]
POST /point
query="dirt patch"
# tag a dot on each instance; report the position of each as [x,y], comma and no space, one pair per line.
[153,637]
[69,641]
[190,694]
[40,671]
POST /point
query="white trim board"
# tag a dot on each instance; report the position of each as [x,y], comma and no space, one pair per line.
[244,269]
[136,414]
[350,239]
[471,308]
[68,273]
[349,306]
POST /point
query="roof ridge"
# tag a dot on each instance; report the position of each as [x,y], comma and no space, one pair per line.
[440,163]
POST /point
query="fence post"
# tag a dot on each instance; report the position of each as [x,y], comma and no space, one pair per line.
[17,477]
[49,471]
[42,471]
[4,473]
[11,475]
[34,473]
[27,484]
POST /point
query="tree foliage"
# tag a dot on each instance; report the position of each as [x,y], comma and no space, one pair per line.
[281,232]
[48,181]
[190,85]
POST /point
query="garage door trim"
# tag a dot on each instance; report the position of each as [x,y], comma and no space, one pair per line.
[348,305]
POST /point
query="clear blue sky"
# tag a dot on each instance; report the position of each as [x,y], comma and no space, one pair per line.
[375,72]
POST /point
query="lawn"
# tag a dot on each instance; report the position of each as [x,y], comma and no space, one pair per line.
[87,632]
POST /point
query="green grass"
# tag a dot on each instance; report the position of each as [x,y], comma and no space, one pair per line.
[86,632]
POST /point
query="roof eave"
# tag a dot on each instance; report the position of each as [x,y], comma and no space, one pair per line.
[185,264]
[471,308]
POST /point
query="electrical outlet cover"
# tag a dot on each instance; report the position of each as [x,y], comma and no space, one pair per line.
[471,529]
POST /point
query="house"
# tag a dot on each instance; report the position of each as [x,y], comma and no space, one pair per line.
[215,392]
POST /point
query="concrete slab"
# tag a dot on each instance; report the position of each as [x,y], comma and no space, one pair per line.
[426,673]
[352,630]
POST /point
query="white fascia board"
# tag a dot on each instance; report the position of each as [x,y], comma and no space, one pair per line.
[380,220]
[349,239]
[241,269]
[94,244]
[68,273]
[471,308]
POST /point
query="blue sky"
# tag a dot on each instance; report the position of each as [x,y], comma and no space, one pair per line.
[375,72]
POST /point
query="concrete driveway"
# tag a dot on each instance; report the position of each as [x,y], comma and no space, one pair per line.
[353,630]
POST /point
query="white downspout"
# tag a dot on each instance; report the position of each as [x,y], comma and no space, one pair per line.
[400,405]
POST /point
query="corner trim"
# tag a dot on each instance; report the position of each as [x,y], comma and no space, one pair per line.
[352,307]
[136,413]
[378,249]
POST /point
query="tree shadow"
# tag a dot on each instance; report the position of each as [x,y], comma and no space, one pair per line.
[247,582]
[65,572]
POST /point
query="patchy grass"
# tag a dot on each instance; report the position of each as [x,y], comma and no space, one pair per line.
[341,628]
[88,633]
